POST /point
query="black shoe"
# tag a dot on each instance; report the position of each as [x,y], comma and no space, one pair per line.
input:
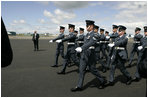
[110,83]
[34,49]
[102,85]
[136,79]
[129,81]
[54,66]
[104,70]
[76,89]
[61,72]
[129,66]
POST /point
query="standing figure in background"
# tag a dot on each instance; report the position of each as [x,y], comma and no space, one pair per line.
[35,40]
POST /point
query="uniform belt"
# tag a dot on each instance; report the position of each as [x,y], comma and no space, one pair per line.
[119,48]
[91,47]
[80,41]
[102,41]
[137,42]
[70,43]
[145,47]
[98,42]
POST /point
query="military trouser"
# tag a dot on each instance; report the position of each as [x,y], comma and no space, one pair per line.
[118,61]
[58,52]
[132,55]
[103,52]
[88,59]
[109,57]
[141,58]
[70,56]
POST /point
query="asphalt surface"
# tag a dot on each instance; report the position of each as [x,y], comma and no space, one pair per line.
[30,75]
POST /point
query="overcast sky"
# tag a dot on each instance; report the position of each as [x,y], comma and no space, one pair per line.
[46,17]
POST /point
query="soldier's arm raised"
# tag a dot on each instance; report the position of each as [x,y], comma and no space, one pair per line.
[68,38]
[59,37]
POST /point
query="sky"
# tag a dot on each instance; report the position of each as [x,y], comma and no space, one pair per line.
[47,16]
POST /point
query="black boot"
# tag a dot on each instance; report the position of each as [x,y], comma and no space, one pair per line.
[129,81]
[61,72]
[76,89]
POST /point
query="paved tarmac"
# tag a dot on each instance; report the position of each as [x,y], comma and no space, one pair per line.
[30,75]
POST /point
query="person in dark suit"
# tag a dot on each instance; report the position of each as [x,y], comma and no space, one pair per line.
[6,50]
[60,46]
[119,56]
[35,40]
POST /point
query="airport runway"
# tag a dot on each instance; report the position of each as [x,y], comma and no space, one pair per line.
[30,75]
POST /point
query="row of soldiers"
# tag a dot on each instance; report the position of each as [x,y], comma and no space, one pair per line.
[84,51]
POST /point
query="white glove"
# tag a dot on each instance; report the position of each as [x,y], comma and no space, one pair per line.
[59,41]
[51,41]
[107,37]
[140,48]
[78,49]
[111,45]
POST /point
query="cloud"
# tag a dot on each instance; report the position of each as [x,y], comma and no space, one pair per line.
[131,14]
[70,5]
[96,3]
[47,13]
[59,16]
[15,22]
[42,21]
[43,2]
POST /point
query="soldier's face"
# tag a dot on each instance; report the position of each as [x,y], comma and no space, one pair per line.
[106,34]
[95,30]
[137,32]
[121,32]
[81,32]
[71,29]
[89,28]
[101,32]
[61,30]
[115,30]
[145,33]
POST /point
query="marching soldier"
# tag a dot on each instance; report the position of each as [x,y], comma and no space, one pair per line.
[80,39]
[71,53]
[35,40]
[107,40]
[97,48]
[102,43]
[113,36]
[136,43]
[119,56]
[141,69]
[88,57]
[60,46]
